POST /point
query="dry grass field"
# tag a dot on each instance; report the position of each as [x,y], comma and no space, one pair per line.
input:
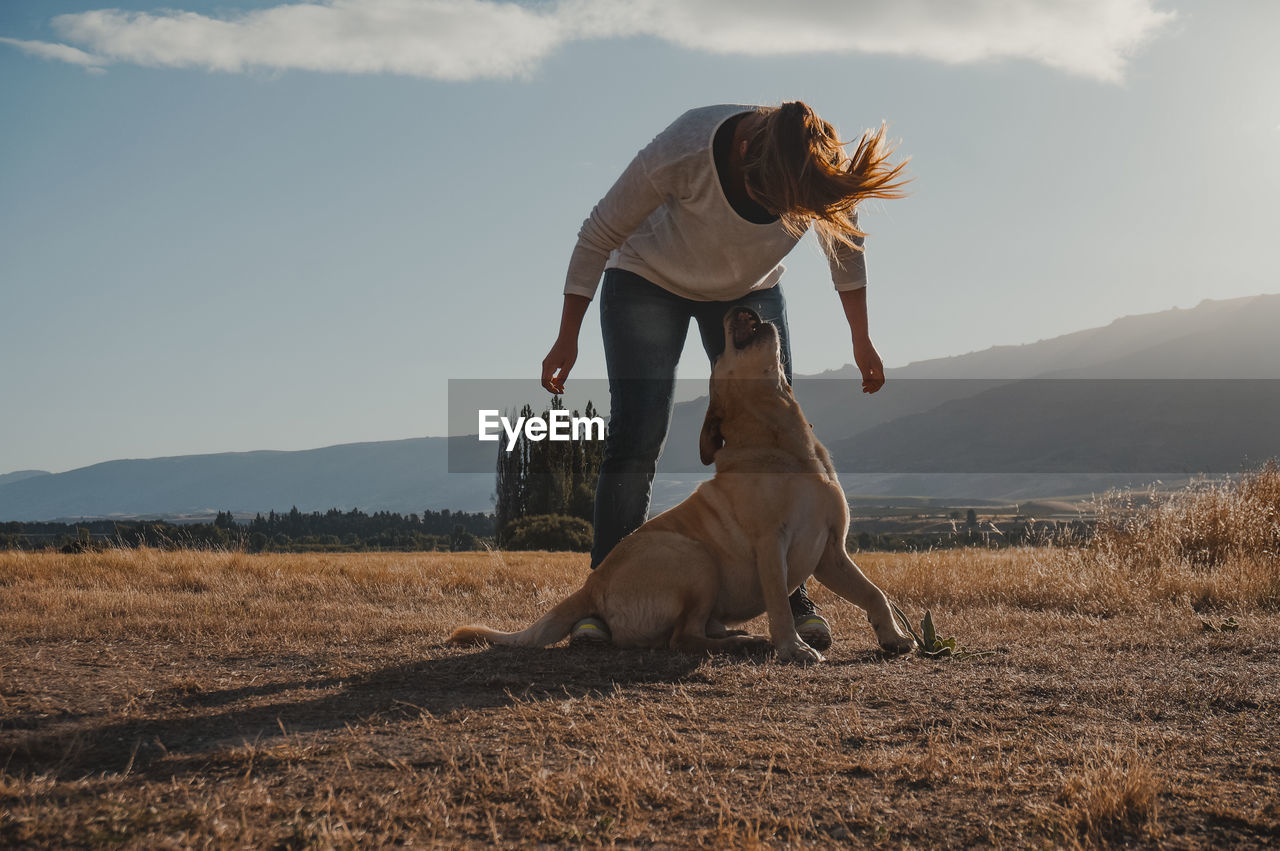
[174,699]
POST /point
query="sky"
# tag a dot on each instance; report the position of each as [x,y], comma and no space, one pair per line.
[235,226]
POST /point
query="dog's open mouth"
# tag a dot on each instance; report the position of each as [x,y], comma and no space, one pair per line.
[745,325]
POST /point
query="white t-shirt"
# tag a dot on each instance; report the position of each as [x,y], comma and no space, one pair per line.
[667,220]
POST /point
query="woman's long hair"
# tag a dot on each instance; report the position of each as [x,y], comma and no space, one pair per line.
[796,167]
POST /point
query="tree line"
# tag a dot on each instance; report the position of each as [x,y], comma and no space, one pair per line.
[355,531]
[292,531]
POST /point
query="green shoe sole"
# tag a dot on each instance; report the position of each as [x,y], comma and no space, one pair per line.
[589,632]
[815,631]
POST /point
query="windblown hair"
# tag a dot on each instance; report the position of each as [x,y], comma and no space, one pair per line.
[796,167]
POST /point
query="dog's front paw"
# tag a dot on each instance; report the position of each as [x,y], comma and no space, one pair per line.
[798,653]
[892,641]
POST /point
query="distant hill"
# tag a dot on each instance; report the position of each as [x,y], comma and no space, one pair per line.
[1213,405]
[983,425]
[19,475]
[1185,391]
[1079,427]
[398,475]
[1233,338]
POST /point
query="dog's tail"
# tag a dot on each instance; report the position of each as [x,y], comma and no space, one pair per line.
[549,629]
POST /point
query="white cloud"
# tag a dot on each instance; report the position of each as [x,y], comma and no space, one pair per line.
[470,39]
[441,39]
[1091,38]
[45,50]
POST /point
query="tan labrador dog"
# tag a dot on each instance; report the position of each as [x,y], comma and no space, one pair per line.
[773,516]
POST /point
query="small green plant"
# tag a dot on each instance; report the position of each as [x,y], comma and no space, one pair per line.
[930,643]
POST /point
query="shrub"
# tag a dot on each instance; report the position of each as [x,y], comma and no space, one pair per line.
[548,532]
[1204,525]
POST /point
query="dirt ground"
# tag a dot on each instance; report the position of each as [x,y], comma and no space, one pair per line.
[186,699]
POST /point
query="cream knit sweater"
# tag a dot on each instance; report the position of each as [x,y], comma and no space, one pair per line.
[667,220]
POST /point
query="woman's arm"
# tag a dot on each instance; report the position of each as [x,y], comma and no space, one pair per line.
[558,362]
[627,203]
[864,352]
[849,274]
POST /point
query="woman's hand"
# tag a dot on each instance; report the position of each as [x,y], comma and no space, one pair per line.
[864,353]
[868,361]
[558,362]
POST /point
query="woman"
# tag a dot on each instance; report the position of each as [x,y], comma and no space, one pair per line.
[696,224]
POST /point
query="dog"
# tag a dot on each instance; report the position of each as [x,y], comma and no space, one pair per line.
[773,515]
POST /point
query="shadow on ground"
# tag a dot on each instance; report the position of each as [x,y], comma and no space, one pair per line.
[182,724]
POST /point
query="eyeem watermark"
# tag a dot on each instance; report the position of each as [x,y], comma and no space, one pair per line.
[1059,427]
[556,425]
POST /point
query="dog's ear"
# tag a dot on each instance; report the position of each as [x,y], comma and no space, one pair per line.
[710,441]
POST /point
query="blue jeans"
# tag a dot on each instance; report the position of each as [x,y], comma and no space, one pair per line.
[644,328]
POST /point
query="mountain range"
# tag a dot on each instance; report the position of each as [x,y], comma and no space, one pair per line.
[1180,391]
[408,476]
[1176,392]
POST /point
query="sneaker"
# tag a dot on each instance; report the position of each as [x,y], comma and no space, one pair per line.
[815,631]
[589,632]
[801,605]
[811,626]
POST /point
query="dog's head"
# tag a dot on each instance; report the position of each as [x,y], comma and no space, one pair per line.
[746,379]
[749,343]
